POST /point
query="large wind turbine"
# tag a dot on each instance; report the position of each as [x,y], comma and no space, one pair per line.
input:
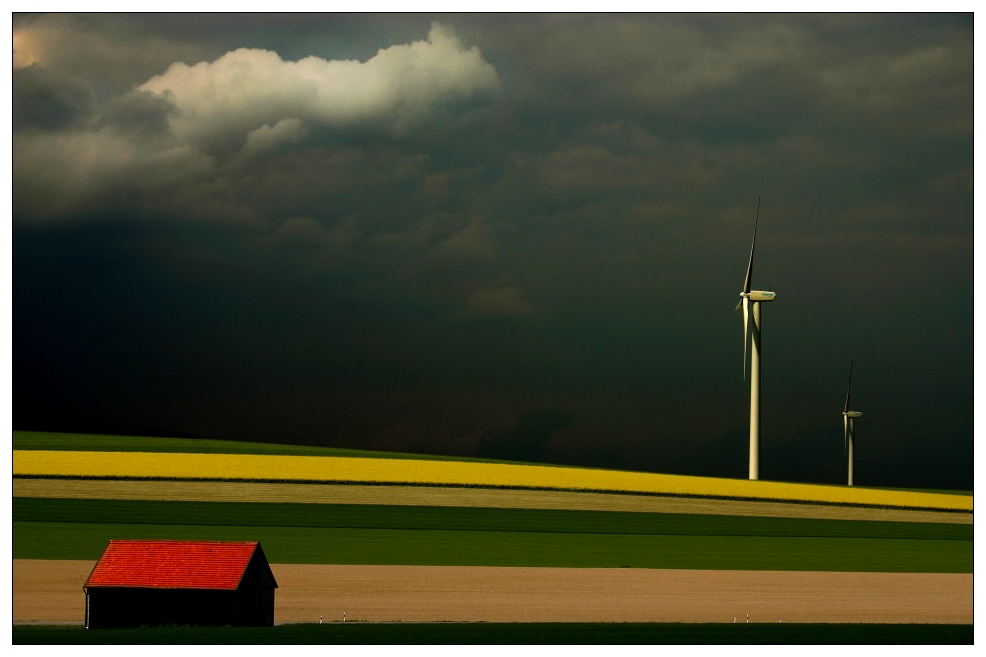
[756,297]
[848,418]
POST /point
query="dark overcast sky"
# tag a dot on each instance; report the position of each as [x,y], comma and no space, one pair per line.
[512,236]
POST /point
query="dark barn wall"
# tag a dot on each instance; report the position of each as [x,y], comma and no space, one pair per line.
[133,607]
[258,573]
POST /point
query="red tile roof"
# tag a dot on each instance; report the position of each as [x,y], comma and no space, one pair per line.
[172,564]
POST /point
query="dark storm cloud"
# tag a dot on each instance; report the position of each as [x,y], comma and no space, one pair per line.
[190,127]
[50,100]
[380,232]
[140,112]
[112,52]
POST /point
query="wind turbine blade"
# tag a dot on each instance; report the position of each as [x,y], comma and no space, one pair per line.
[746,331]
[738,304]
[845,435]
[849,389]
[749,269]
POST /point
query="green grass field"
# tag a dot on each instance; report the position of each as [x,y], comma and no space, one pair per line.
[466,519]
[353,534]
[45,540]
[509,633]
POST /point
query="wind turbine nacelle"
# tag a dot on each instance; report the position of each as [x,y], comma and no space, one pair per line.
[853,414]
[760,295]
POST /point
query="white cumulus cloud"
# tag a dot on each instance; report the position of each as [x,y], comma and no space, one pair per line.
[172,138]
[398,87]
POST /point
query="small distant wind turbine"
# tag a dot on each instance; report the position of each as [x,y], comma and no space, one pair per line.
[848,418]
[757,297]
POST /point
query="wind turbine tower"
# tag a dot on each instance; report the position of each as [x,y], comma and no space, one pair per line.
[756,297]
[848,423]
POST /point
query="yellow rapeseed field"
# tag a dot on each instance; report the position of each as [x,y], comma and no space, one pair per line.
[160,465]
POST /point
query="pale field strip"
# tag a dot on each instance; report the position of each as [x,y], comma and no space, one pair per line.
[51,591]
[251,467]
[234,491]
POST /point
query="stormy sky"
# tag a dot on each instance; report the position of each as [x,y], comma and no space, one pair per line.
[507,236]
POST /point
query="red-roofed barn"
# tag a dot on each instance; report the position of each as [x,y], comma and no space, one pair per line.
[139,583]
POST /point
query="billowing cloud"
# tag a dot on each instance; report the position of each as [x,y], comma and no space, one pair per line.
[199,131]
[267,137]
[106,47]
[398,88]
[139,112]
[658,63]
[50,100]
[55,174]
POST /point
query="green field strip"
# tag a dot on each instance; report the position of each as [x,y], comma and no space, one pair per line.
[509,633]
[466,518]
[46,540]
[37,440]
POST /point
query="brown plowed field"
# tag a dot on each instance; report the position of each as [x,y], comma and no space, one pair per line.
[214,491]
[51,591]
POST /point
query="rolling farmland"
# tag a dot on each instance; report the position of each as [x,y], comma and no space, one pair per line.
[346,511]
[252,467]
[362,494]
[375,534]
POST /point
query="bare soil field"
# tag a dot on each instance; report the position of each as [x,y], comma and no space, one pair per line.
[209,491]
[51,591]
